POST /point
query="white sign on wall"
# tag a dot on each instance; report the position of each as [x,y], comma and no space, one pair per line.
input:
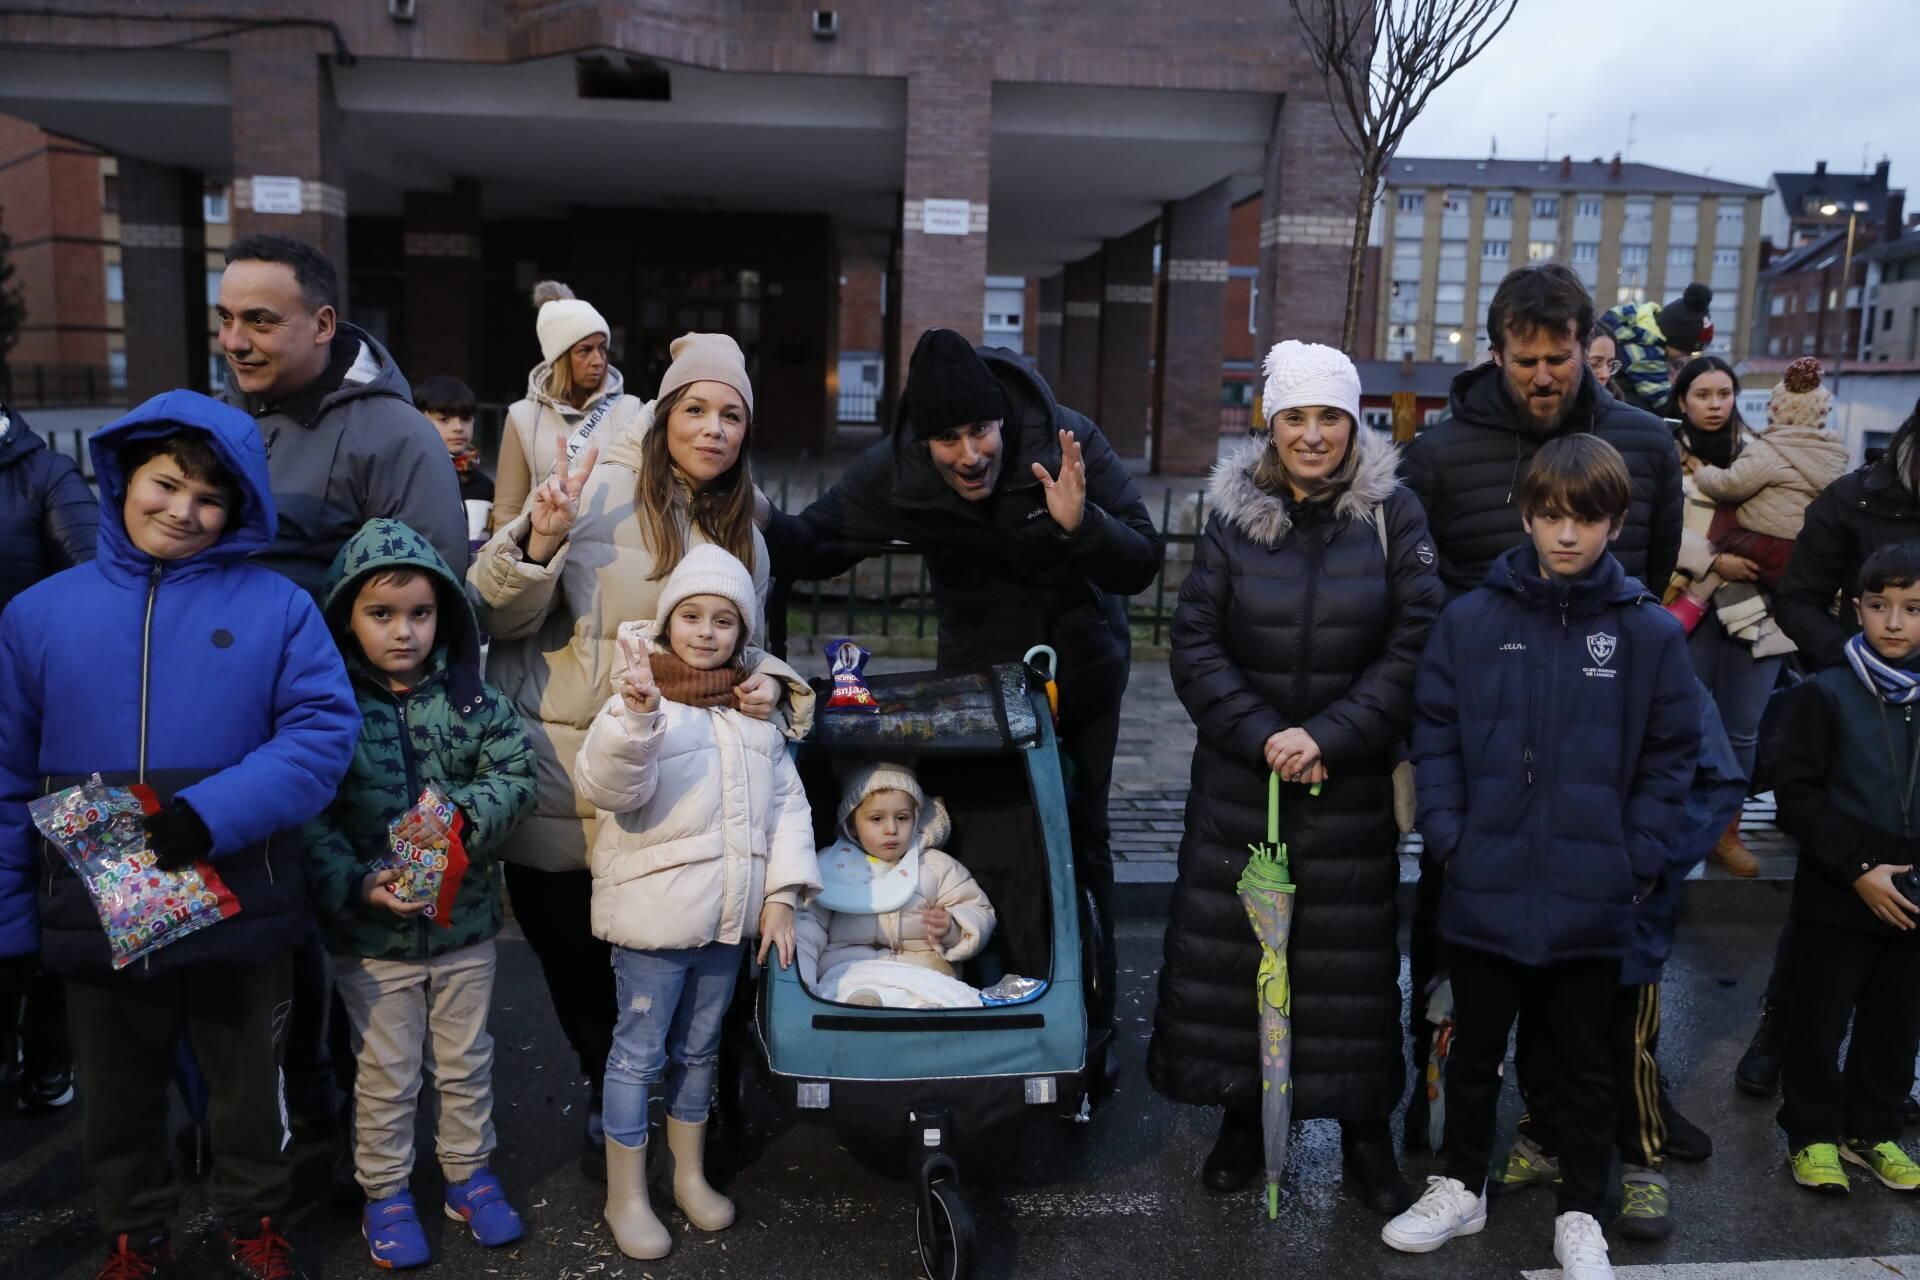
[277,195]
[946,217]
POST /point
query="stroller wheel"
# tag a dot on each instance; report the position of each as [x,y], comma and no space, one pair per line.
[944,1232]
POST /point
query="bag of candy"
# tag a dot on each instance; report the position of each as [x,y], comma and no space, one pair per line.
[850,692]
[98,830]
[423,845]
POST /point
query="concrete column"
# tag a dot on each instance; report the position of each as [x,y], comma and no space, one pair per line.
[1193,269]
[287,125]
[163,249]
[1306,225]
[1078,386]
[443,298]
[1126,341]
[1053,301]
[949,126]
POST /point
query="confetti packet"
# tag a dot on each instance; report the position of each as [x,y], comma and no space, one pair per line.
[850,692]
[423,845]
[98,830]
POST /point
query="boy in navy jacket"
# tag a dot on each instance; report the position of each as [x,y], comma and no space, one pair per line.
[171,659]
[1555,736]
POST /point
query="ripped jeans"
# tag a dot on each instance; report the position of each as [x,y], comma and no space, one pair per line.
[672,1004]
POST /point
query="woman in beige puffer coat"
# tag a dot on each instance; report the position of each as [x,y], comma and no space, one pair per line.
[552,602]
[575,383]
[830,938]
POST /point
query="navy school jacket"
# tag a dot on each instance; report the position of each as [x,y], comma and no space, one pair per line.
[1555,737]
[213,676]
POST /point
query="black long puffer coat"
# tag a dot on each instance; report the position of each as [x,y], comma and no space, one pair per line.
[1292,615]
[47,514]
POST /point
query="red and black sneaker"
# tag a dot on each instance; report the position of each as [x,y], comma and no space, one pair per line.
[138,1259]
[261,1255]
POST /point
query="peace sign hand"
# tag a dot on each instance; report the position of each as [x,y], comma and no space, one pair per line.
[638,689]
[556,503]
[1067,493]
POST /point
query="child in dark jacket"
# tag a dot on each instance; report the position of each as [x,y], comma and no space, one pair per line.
[1846,783]
[407,980]
[1554,741]
[172,659]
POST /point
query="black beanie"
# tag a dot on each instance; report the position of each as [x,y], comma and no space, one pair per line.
[1685,321]
[949,384]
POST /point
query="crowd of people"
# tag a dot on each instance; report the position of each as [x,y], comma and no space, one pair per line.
[1558,636]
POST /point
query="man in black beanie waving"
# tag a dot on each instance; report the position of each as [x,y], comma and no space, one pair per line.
[1032,532]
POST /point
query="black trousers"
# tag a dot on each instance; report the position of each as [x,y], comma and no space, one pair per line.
[1571,1001]
[1087,744]
[1639,1129]
[124,1037]
[554,909]
[33,1025]
[315,1080]
[1833,975]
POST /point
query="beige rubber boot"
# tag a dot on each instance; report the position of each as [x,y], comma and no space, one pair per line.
[705,1208]
[636,1228]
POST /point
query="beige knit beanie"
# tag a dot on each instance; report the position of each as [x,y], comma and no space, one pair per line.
[564,320]
[707,570]
[707,357]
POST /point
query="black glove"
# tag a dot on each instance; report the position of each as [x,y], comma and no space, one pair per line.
[177,836]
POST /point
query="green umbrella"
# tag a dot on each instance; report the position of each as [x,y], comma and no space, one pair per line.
[1266,891]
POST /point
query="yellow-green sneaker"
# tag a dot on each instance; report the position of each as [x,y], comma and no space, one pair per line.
[1528,1166]
[1886,1161]
[1817,1165]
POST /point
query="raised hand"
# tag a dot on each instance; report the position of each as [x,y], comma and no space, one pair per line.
[1067,492]
[638,688]
[556,503]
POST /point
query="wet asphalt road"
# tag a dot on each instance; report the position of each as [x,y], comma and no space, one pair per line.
[1117,1197]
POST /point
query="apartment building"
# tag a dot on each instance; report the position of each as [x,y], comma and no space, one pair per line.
[1448,230]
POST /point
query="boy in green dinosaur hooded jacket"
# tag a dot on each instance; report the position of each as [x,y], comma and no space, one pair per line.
[413,649]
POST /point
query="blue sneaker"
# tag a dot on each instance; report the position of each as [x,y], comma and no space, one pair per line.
[482,1205]
[394,1235]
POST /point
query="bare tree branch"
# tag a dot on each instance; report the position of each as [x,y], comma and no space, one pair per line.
[1381,61]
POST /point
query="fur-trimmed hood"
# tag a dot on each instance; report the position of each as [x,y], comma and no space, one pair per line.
[1370,479]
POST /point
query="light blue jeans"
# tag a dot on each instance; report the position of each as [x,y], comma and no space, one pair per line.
[1740,684]
[671,1006]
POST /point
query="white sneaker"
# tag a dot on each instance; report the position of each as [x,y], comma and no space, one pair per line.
[1580,1248]
[1445,1210]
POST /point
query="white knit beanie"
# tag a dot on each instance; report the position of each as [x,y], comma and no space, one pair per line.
[707,570]
[932,825]
[1306,373]
[1800,400]
[564,319]
[707,357]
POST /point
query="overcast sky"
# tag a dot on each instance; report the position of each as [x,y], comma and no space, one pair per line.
[1734,88]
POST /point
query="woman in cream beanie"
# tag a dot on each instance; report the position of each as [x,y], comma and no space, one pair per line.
[575,397]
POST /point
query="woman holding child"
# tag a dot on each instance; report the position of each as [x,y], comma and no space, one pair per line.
[1294,647]
[592,550]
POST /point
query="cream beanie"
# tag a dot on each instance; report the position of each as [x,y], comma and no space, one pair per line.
[1800,400]
[1306,373]
[707,357]
[564,319]
[933,826]
[707,570]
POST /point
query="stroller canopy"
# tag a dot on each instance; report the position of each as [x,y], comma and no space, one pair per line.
[923,713]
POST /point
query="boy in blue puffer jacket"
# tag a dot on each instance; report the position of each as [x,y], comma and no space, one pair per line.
[171,660]
[1555,737]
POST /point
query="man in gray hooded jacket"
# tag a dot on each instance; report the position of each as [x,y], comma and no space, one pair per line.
[344,442]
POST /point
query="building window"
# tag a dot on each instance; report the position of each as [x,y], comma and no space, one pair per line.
[1628,293]
[1726,258]
[1449,304]
[1680,258]
[1540,250]
[1833,300]
[1773,346]
[1546,206]
[1499,206]
[110,199]
[1586,252]
[1453,250]
[1633,255]
[1412,201]
[1777,306]
[1406,259]
[213,205]
[1587,209]
[213,287]
[1003,319]
[1378,419]
[1456,203]
[117,370]
[116,284]
[1806,342]
[1494,250]
[1731,215]
[1886,320]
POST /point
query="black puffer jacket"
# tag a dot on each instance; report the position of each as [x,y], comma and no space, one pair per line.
[1292,616]
[1005,576]
[1466,467]
[47,514]
[1852,518]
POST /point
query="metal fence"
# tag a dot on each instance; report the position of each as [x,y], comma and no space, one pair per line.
[859,402]
[52,386]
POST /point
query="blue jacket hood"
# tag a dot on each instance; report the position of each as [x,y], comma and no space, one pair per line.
[236,440]
[1517,572]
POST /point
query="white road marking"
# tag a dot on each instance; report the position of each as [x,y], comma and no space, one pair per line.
[1887,1268]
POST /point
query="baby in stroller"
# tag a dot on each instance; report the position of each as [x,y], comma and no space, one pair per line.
[895,913]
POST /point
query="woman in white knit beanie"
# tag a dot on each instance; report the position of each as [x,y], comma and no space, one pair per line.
[575,398]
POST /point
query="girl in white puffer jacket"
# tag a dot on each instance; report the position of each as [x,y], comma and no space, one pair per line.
[705,839]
